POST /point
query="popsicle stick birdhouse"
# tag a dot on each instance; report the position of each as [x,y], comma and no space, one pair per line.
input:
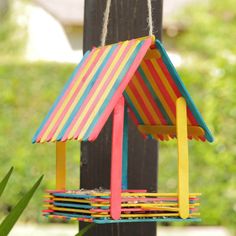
[134,77]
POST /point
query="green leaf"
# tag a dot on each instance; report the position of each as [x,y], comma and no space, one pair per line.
[85,229]
[13,216]
[5,181]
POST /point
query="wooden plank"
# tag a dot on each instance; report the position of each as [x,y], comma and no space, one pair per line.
[183,169]
[116,158]
[95,159]
[60,165]
[169,130]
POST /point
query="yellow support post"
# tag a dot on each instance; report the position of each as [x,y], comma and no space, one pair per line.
[183,166]
[60,165]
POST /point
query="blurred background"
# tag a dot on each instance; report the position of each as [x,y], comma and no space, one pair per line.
[40,43]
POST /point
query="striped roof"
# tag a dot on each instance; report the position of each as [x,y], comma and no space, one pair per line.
[137,69]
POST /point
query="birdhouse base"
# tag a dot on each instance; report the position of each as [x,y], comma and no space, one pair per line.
[136,206]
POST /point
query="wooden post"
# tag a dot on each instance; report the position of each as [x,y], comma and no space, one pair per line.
[182,140]
[60,165]
[128,19]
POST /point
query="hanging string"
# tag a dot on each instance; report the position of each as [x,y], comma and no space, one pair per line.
[105,23]
[149,19]
[106,19]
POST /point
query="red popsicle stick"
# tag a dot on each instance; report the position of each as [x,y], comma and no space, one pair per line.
[116,159]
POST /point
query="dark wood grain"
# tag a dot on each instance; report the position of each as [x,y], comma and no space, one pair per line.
[128,19]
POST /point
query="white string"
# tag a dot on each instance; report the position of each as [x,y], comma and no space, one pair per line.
[105,23]
[149,19]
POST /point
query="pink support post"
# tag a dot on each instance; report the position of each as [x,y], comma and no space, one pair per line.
[116,159]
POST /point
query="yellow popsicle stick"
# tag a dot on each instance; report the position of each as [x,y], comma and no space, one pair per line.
[140,215]
[146,194]
[174,209]
[182,141]
[168,205]
[147,215]
[143,205]
[48,196]
[169,129]
[70,210]
[60,165]
[71,200]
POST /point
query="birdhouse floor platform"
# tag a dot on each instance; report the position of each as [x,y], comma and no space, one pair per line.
[136,206]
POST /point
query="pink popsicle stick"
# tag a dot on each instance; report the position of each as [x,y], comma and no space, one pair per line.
[116,159]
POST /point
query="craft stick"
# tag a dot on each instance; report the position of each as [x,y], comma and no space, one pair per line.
[170,219]
[141,215]
[116,161]
[60,165]
[170,130]
[55,191]
[70,210]
[141,39]
[47,211]
[69,215]
[183,169]
[71,200]
[150,205]
[68,218]
[172,209]
[87,220]
[148,199]
[145,215]
[125,151]
[152,53]
[123,210]
[158,194]
[72,205]
[48,196]
[74,195]
[125,194]
[97,200]
[144,199]
[134,190]
[47,200]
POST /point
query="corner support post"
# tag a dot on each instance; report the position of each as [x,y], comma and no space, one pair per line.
[183,164]
[116,158]
[60,165]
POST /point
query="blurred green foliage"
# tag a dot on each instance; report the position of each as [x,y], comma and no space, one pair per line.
[27,92]
[208,50]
